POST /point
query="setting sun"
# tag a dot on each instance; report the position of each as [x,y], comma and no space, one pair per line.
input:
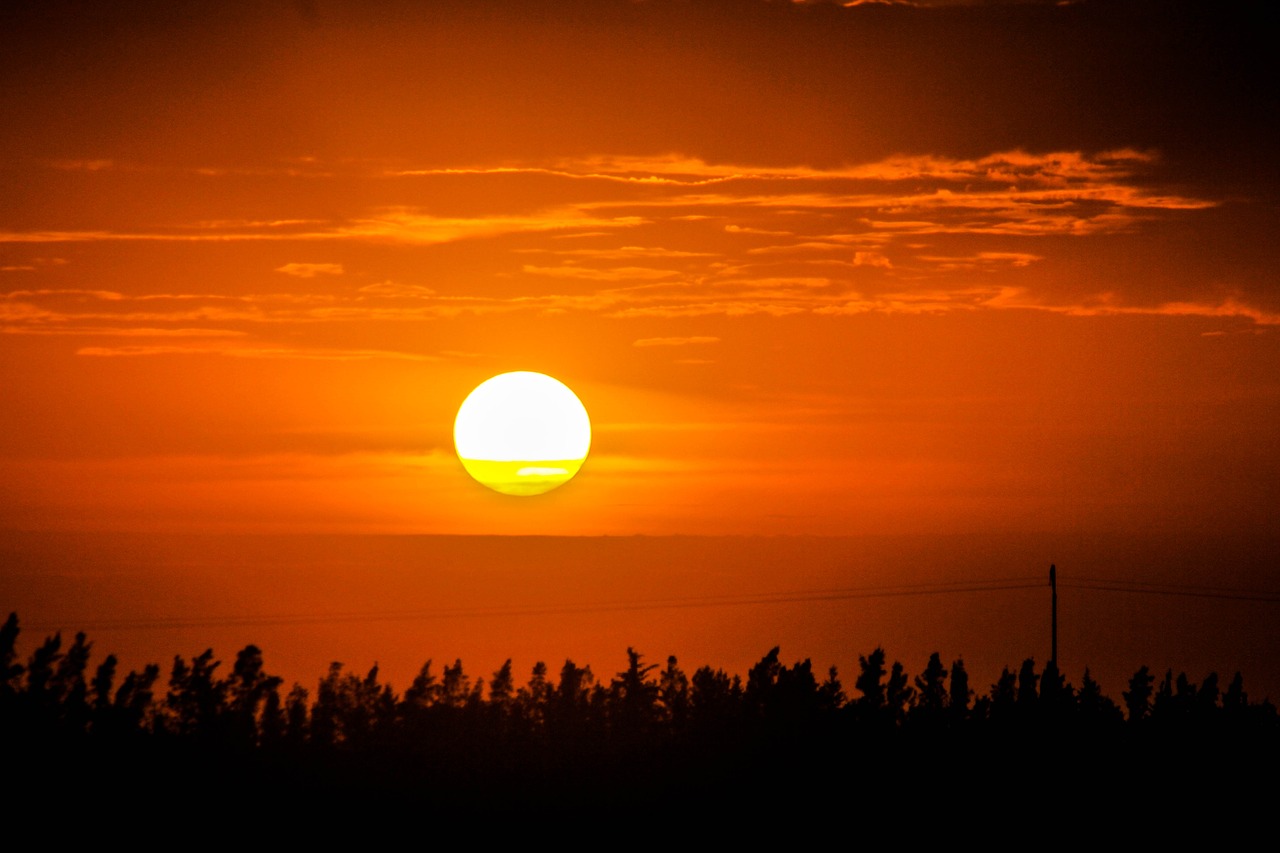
[522,433]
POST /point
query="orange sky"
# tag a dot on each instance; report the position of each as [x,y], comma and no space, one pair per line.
[813,270]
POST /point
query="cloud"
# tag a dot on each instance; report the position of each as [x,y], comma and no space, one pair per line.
[1012,193]
[252,351]
[606,274]
[909,233]
[406,225]
[794,248]
[740,229]
[1017,259]
[83,165]
[304,270]
[938,301]
[621,253]
[392,225]
[1019,170]
[395,290]
[723,289]
[728,307]
[1108,305]
[675,342]
[871,259]
[122,332]
[670,169]
[981,260]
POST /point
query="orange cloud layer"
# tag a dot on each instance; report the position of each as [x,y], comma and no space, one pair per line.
[663,242]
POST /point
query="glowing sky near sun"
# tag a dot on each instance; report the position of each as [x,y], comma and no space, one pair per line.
[818,269]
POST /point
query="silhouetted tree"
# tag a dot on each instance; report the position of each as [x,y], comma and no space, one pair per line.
[455,686]
[196,697]
[502,687]
[250,690]
[1206,698]
[673,695]
[633,697]
[831,696]
[502,694]
[532,699]
[1162,707]
[870,683]
[1057,696]
[795,701]
[68,688]
[133,708]
[379,703]
[1096,710]
[898,694]
[1235,701]
[759,682]
[297,717]
[1004,696]
[40,669]
[1184,697]
[599,708]
[958,698]
[10,672]
[714,701]
[103,679]
[1027,679]
[569,702]
[761,679]
[271,724]
[419,699]
[931,692]
[475,699]
[1137,699]
[342,713]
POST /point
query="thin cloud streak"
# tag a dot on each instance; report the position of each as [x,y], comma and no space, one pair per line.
[306,270]
[878,232]
[608,274]
[732,294]
[1105,305]
[122,332]
[252,351]
[398,225]
[675,341]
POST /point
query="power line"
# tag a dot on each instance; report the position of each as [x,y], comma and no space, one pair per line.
[687,602]
[1173,589]
[798,596]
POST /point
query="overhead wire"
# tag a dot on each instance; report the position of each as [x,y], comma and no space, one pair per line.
[740,599]
[1187,590]
[730,600]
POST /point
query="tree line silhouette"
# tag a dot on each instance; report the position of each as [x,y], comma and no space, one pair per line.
[455,734]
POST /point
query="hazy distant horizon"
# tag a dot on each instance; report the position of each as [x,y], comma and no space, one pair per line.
[724,601]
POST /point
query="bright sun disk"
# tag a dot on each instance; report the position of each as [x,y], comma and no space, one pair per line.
[522,433]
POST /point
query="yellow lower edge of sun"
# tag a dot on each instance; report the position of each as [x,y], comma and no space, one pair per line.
[522,477]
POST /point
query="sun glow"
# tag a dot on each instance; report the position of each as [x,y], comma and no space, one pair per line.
[522,433]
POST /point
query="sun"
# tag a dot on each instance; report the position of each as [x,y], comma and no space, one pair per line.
[522,433]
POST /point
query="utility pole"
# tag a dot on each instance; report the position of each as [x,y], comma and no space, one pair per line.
[1053,585]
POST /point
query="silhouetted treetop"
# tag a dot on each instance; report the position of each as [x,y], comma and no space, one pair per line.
[643,712]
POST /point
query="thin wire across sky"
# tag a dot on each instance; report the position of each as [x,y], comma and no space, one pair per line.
[740,599]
